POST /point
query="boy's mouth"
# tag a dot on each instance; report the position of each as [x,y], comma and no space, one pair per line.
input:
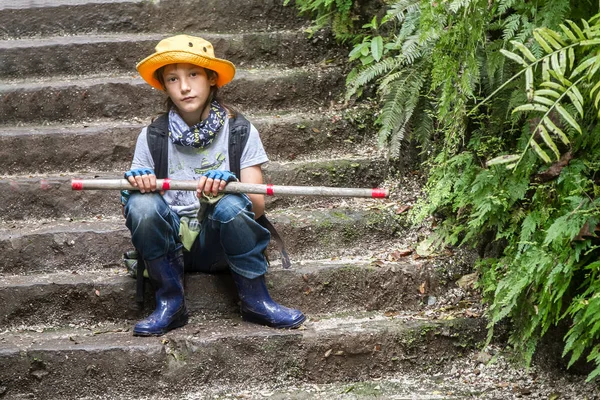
[188,98]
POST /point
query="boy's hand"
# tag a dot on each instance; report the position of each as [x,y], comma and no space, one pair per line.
[214,181]
[142,178]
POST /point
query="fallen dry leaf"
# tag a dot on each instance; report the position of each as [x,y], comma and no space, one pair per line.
[403,209]
[468,281]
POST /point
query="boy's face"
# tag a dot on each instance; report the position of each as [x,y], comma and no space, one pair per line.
[188,86]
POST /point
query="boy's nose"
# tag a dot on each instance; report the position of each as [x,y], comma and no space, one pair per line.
[185,86]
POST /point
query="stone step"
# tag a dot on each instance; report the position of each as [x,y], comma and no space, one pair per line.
[127,96]
[73,363]
[93,54]
[22,18]
[52,197]
[109,145]
[313,286]
[30,246]
[470,376]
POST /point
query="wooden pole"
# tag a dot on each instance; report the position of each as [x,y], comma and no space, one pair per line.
[233,187]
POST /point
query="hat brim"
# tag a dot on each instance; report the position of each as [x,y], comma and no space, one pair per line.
[224,69]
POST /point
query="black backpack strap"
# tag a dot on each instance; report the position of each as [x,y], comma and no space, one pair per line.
[157,135]
[265,223]
[239,131]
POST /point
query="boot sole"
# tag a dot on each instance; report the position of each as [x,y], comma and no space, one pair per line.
[258,321]
[175,324]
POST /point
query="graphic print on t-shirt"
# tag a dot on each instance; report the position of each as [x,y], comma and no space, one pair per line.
[206,165]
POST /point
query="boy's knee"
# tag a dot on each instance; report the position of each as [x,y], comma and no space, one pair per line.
[230,206]
[143,205]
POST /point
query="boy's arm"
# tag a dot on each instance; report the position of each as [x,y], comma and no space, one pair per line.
[254,175]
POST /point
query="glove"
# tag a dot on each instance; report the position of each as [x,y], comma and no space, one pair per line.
[226,176]
[138,172]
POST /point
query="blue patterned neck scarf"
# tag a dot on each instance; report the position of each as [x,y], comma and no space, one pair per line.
[201,134]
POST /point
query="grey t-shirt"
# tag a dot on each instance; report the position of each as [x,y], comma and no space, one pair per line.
[190,163]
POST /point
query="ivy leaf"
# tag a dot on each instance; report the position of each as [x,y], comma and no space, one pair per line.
[570,120]
[571,57]
[540,152]
[576,98]
[591,42]
[530,107]
[543,100]
[377,47]
[548,140]
[546,92]
[529,83]
[526,52]
[568,32]
[515,57]
[545,69]
[596,86]
[552,37]
[554,129]
[583,66]
[542,42]
[576,29]
[503,159]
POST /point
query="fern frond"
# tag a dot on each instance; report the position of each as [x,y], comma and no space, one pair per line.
[511,26]
[505,5]
[399,9]
[372,72]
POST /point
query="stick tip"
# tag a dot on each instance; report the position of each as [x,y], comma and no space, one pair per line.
[380,193]
[77,184]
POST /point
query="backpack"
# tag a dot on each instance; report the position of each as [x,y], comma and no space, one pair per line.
[239,131]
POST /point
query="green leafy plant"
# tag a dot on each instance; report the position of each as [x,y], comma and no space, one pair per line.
[336,13]
[446,79]
[569,82]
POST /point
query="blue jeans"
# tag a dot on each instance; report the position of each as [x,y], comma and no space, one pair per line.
[229,237]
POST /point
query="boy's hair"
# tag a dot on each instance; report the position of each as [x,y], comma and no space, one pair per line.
[214,91]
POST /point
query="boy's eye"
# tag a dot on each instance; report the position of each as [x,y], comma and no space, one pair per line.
[172,79]
[193,74]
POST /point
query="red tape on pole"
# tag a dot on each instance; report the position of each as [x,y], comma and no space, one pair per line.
[270,190]
[378,193]
[166,184]
[77,184]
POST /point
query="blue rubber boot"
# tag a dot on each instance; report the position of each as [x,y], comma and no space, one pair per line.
[166,274]
[258,307]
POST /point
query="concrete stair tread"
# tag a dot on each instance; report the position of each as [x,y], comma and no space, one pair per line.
[79,54]
[208,329]
[118,276]
[327,285]
[59,82]
[332,348]
[108,37]
[62,179]
[28,43]
[257,117]
[126,96]
[339,229]
[344,211]
[286,135]
[23,18]
[19,4]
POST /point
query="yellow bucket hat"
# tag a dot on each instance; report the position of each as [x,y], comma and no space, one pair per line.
[185,49]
